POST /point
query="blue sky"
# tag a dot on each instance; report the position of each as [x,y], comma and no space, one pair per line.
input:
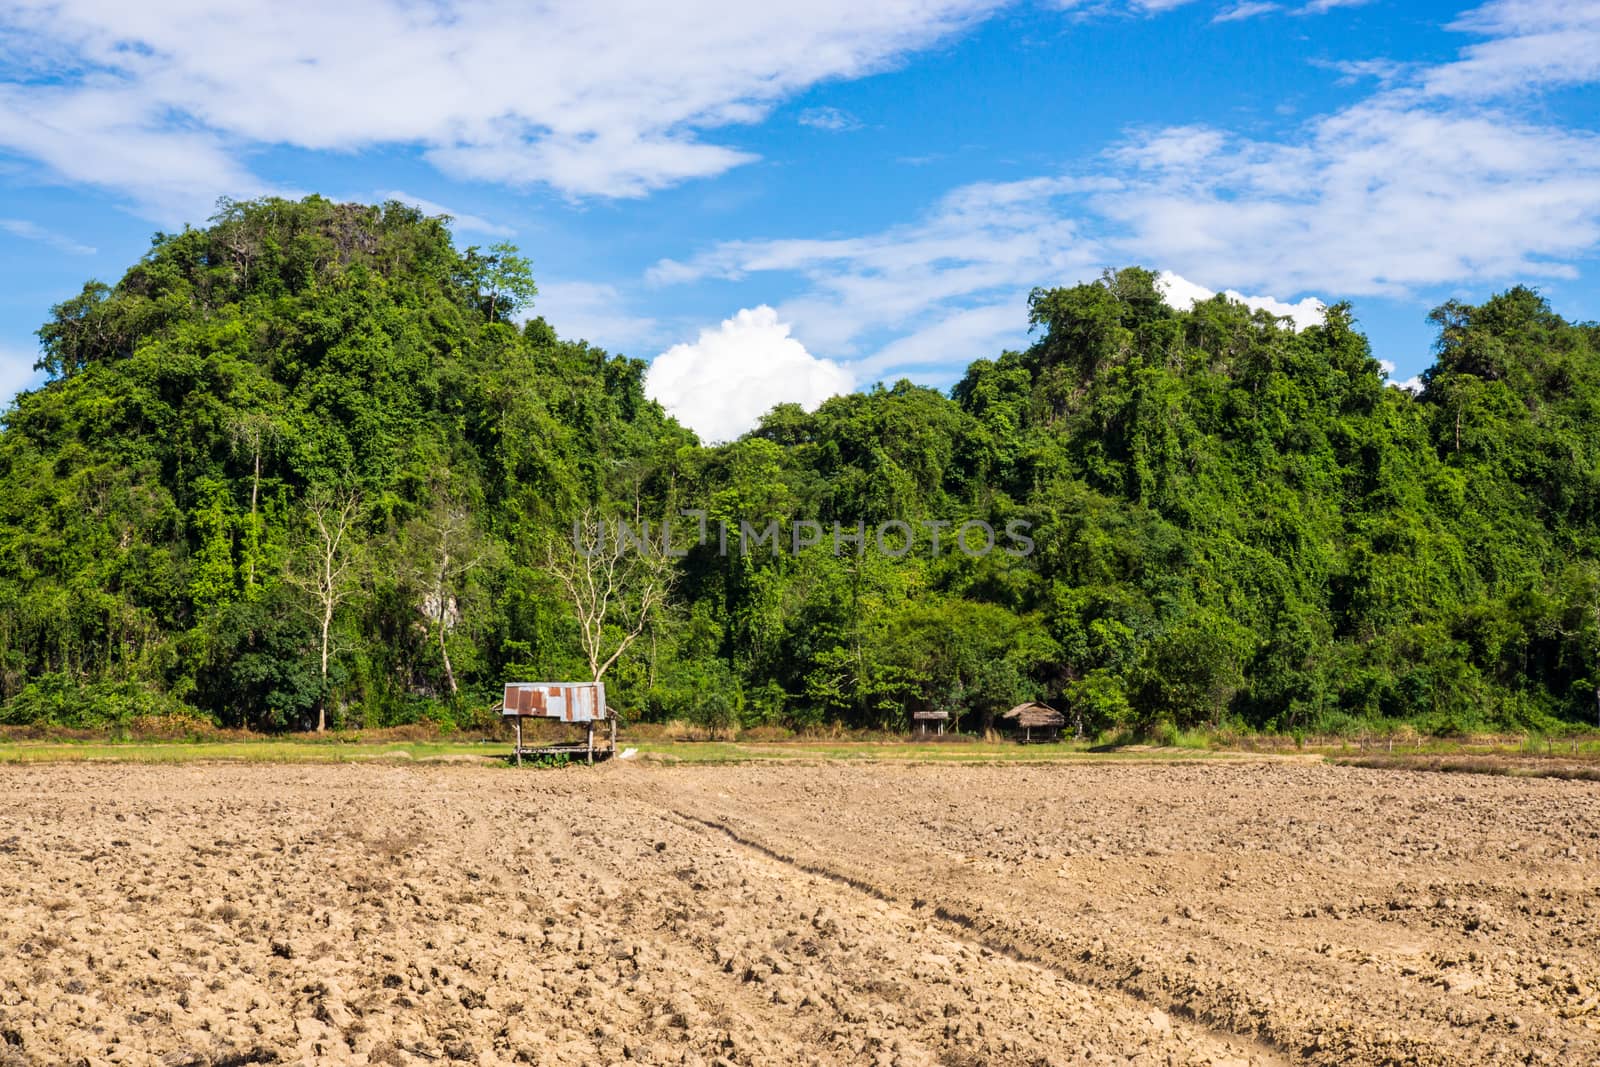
[785,200]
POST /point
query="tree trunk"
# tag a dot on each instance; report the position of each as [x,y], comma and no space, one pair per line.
[322,695]
[255,533]
[444,653]
[439,591]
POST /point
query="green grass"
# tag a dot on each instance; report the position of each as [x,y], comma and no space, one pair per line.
[265,751]
[898,752]
[300,750]
[350,748]
[1572,747]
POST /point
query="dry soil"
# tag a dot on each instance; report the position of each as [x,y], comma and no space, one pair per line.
[779,913]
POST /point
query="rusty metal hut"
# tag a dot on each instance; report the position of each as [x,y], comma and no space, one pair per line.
[583,703]
[928,722]
[1037,722]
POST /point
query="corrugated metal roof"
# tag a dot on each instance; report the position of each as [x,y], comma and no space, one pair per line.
[567,701]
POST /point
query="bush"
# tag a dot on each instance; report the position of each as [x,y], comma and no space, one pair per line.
[1101,701]
[59,699]
[714,711]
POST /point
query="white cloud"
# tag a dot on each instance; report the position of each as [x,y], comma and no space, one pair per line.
[32,231]
[1399,192]
[593,312]
[1383,198]
[829,118]
[161,100]
[980,249]
[16,372]
[720,385]
[1533,44]
[1412,384]
[1322,7]
[1249,9]
[1380,198]
[1241,9]
[1179,292]
[1396,193]
[460,222]
[1383,71]
[1423,183]
[96,134]
[949,342]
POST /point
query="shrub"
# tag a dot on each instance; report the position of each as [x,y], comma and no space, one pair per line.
[59,699]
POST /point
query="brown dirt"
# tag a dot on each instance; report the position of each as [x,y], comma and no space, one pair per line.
[769,913]
[1542,766]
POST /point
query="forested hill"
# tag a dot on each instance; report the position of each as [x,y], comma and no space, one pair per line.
[1230,522]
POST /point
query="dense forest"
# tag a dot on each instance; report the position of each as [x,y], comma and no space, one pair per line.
[313,463]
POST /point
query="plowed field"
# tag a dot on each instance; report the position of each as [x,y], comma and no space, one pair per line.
[1208,912]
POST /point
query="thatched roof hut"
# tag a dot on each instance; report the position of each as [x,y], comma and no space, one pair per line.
[1038,722]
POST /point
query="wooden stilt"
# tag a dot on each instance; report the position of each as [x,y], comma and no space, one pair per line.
[591,742]
[519,741]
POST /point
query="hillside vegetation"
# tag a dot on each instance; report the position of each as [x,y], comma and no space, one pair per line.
[1232,523]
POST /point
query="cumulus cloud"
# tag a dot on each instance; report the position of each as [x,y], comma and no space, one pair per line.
[1179,292]
[161,100]
[1411,385]
[1383,71]
[720,385]
[1449,196]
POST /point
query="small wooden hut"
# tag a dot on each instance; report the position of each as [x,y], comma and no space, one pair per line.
[583,703]
[928,722]
[1037,722]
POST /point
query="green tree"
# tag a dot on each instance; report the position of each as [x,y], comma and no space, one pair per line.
[502,278]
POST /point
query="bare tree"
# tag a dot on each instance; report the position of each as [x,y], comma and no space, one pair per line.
[453,549]
[613,585]
[252,434]
[327,572]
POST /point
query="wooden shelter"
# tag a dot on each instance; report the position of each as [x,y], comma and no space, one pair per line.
[1038,722]
[925,722]
[583,703]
